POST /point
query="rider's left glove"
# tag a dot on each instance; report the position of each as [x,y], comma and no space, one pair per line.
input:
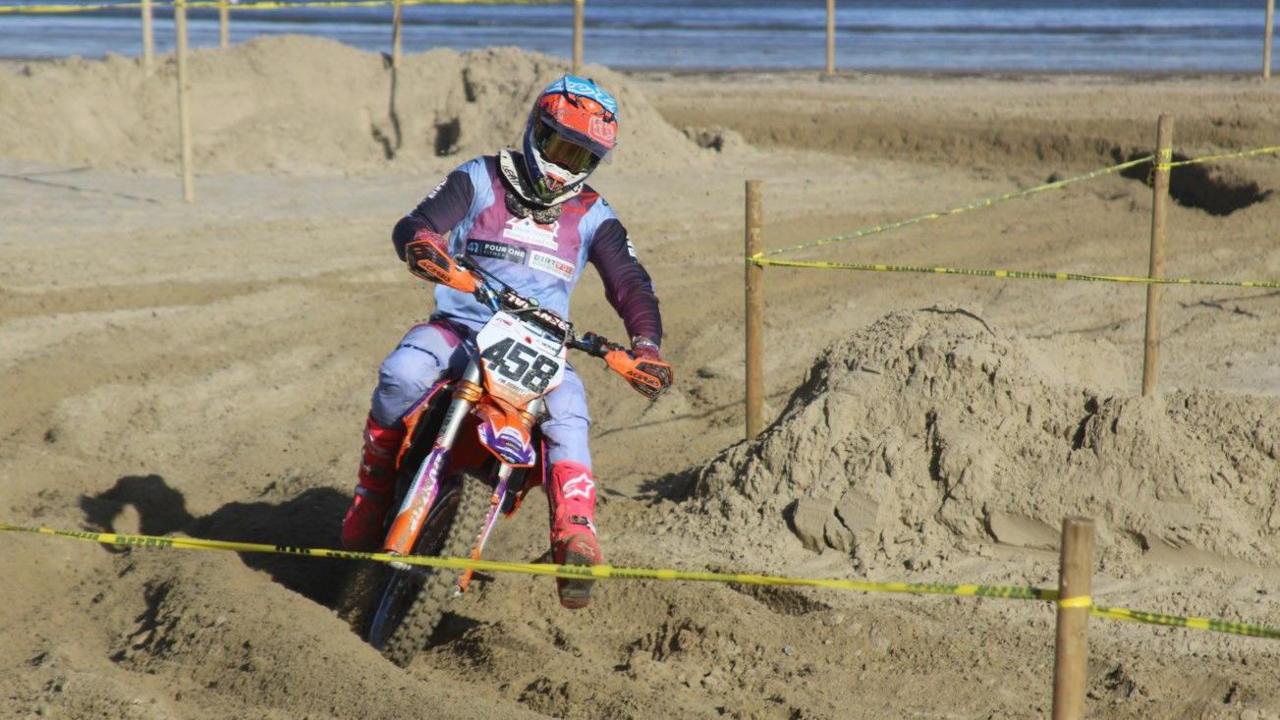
[649,361]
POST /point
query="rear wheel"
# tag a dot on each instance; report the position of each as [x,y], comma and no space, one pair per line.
[413,601]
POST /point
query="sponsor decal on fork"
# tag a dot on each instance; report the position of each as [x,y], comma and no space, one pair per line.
[421,496]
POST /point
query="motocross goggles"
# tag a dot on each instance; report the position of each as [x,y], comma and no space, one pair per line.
[562,151]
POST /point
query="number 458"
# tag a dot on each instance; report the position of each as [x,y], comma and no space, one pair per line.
[521,364]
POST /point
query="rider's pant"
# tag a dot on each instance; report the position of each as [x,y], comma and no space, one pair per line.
[428,350]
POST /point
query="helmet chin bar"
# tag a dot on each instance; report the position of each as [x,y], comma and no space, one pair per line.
[551,185]
[551,173]
[539,168]
[515,178]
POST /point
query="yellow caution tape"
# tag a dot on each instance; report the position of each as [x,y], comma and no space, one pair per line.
[1226,156]
[622,573]
[974,205]
[273,5]
[1164,164]
[565,571]
[264,5]
[1192,623]
[64,9]
[761,260]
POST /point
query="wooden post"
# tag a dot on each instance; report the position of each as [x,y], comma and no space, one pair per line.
[184,110]
[224,24]
[1266,39]
[579,10]
[396,16]
[755,312]
[1159,212]
[148,38]
[1071,651]
[831,37]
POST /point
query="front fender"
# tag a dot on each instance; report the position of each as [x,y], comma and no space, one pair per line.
[505,433]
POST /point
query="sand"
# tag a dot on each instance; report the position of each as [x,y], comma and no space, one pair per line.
[983,444]
[205,369]
[263,108]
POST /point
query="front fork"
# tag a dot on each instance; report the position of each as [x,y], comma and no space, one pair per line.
[425,488]
[497,501]
[407,525]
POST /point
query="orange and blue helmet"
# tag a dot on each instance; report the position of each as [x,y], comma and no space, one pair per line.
[572,127]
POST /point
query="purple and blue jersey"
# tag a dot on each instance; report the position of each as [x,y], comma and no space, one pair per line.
[540,261]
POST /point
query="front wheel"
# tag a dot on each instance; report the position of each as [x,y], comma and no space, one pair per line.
[413,601]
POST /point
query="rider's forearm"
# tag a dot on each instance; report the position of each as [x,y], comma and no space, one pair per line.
[626,284]
[405,229]
[438,212]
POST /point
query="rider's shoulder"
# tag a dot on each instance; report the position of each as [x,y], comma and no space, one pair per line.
[591,198]
[485,162]
[474,170]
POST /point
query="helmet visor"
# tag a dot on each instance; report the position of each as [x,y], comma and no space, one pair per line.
[560,150]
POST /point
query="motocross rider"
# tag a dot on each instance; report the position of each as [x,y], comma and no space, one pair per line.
[528,218]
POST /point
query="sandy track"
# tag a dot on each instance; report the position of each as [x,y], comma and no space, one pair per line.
[205,370]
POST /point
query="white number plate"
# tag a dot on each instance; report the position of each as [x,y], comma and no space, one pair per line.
[520,362]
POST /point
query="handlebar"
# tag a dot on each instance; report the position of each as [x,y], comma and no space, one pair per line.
[429,260]
[508,299]
[595,345]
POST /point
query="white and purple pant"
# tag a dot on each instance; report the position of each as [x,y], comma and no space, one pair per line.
[429,350]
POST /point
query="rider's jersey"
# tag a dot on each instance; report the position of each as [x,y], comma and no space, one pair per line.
[540,261]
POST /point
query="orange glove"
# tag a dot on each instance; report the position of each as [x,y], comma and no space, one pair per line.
[429,260]
[649,361]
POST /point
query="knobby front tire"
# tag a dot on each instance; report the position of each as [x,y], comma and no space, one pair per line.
[407,636]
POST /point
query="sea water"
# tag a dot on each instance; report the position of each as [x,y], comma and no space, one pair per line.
[908,35]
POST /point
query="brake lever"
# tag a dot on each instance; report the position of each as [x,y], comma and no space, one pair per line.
[486,295]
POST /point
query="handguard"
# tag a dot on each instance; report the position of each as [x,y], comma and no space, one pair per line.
[428,260]
[649,377]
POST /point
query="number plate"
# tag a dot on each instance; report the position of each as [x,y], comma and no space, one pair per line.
[521,361]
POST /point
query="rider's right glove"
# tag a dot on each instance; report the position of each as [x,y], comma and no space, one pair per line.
[429,259]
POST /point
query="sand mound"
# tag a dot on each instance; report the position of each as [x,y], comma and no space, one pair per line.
[299,103]
[930,431]
[181,627]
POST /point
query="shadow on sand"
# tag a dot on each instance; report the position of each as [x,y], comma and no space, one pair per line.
[310,519]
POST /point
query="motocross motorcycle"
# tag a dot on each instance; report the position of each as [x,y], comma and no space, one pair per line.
[473,448]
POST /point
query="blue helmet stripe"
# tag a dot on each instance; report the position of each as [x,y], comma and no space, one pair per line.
[585,87]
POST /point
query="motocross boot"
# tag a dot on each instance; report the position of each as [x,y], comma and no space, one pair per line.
[362,527]
[571,497]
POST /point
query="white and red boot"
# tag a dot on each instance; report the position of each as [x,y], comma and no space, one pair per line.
[363,524]
[571,497]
